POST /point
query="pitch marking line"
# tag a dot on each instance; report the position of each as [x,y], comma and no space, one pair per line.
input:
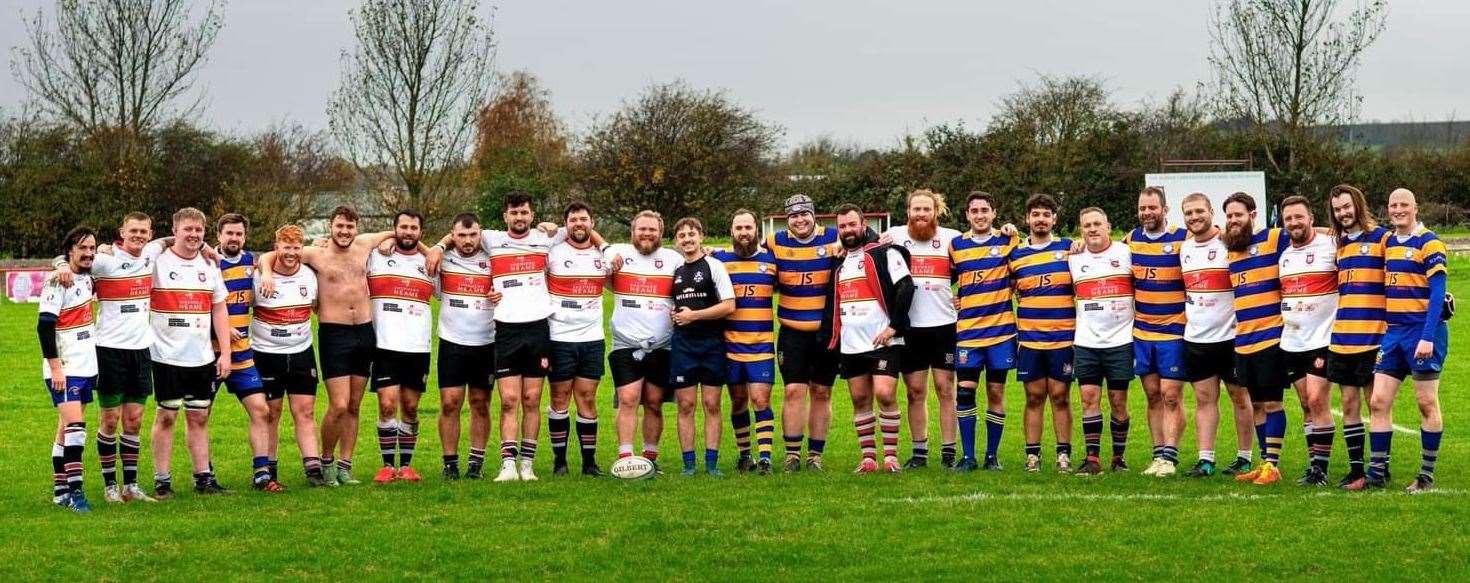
[1083,497]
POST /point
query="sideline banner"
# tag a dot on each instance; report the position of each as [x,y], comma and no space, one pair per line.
[24,285]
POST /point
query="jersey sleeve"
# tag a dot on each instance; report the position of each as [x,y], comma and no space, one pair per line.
[153,249]
[724,289]
[897,267]
[219,294]
[559,236]
[52,296]
[1434,257]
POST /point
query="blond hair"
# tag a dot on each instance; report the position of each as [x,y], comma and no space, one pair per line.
[188,213]
[940,209]
[649,215]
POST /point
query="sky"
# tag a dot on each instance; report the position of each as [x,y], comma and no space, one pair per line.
[864,72]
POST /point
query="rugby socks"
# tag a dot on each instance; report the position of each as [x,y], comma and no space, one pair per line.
[946,452]
[344,465]
[995,426]
[312,466]
[329,463]
[58,470]
[1207,455]
[965,412]
[740,423]
[815,447]
[262,467]
[1170,454]
[1092,434]
[765,432]
[1064,449]
[388,441]
[625,450]
[74,442]
[793,444]
[1353,435]
[1119,430]
[688,457]
[711,459]
[587,435]
[477,457]
[889,423]
[130,444]
[451,463]
[1379,444]
[1275,432]
[1307,434]
[1430,442]
[1245,454]
[1033,449]
[528,449]
[921,447]
[508,450]
[107,457]
[1319,442]
[408,438]
[866,425]
[650,451]
[1261,437]
[558,427]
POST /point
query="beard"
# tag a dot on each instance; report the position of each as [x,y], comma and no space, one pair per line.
[744,247]
[519,228]
[922,230]
[407,244]
[337,240]
[231,248]
[1152,224]
[579,236]
[646,246]
[851,240]
[1237,237]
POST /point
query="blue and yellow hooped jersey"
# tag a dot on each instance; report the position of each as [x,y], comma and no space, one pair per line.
[1045,313]
[982,271]
[239,277]
[1158,284]
[1361,306]
[804,276]
[750,331]
[1256,274]
[1409,265]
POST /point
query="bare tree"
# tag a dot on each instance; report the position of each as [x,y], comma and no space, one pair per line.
[409,95]
[116,64]
[1284,66]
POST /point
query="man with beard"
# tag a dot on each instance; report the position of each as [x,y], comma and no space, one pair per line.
[576,273]
[869,315]
[466,345]
[1209,337]
[1046,318]
[1308,268]
[69,364]
[1358,329]
[930,339]
[1415,343]
[1158,327]
[1102,279]
[986,329]
[281,333]
[401,292]
[750,340]
[237,267]
[348,343]
[642,325]
[703,297]
[805,254]
[1259,364]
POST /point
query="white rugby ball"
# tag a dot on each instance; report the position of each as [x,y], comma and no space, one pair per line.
[635,467]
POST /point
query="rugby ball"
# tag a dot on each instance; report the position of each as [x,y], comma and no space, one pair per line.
[634,467]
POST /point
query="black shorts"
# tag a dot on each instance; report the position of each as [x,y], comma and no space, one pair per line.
[886,361]
[1301,364]
[1263,373]
[573,360]
[123,375]
[1348,370]
[403,370]
[286,374]
[522,349]
[191,387]
[697,360]
[926,348]
[471,366]
[1204,360]
[347,349]
[1091,366]
[653,367]
[803,360]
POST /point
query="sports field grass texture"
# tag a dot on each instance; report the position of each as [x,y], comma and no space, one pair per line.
[927,524]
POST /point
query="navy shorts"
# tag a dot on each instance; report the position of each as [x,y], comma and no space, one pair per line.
[1034,364]
[577,360]
[78,390]
[695,359]
[1396,357]
[741,373]
[1161,357]
[243,382]
[995,360]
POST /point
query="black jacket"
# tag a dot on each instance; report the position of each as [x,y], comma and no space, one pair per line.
[895,297]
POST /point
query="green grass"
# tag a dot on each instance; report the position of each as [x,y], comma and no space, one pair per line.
[924,524]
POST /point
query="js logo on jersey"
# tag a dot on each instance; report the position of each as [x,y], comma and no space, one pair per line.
[1363,249]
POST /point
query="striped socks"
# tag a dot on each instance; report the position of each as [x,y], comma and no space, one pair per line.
[995,426]
[740,424]
[130,444]
[1092,434]
[765,432]
[558,427]
[965,411]
[1430,442]
[107,457]
[889,423]
[587,436]
[1275,433]
[866,425]
[74,442]
[388,441]
[408,437]
[1319,442]
[1353,435]
[1380,444]
[1119,429]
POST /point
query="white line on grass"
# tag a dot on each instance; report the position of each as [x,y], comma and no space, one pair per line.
[1396,427]
[1065,497]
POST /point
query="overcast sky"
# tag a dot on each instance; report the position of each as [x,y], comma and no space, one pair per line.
[862,71]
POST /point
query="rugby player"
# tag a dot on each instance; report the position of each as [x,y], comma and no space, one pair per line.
[986,329]
[642,325]
[280,331]
[237,267]
[750,340]
[187,302]
[1102,280]
[466,345]
[401,290]
[1158,325]
[1259,363]
[928,342]
[1358,329]
[1209,337]
[703,296]
[67,334]
[347,341]
[1046,318]
[805,254]
[1308,268]
[1416,342]
[868,317]
[576,273]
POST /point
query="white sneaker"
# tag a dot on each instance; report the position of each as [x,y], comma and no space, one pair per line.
[112,494]
[1167,469]
[527,473]
[1033,462]
[132,493]
[507,471]
[1064,463]
[1153,467]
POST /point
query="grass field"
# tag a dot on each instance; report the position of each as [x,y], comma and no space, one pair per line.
[923,524]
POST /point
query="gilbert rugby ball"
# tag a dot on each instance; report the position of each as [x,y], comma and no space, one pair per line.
[634,467]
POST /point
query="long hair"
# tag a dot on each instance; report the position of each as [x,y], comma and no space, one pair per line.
[1364,216]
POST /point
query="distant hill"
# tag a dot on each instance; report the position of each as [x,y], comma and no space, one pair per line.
[1435,134]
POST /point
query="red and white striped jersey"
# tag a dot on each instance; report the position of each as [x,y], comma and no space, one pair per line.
[184,293]
[1209,297]
[643,297]
[124,283]
[281,321]
[859,303]
[466,316]
[576,276]
[930,267]
[518,272]
[76,329]
[1308,293]
[400,289]
[1103,285]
